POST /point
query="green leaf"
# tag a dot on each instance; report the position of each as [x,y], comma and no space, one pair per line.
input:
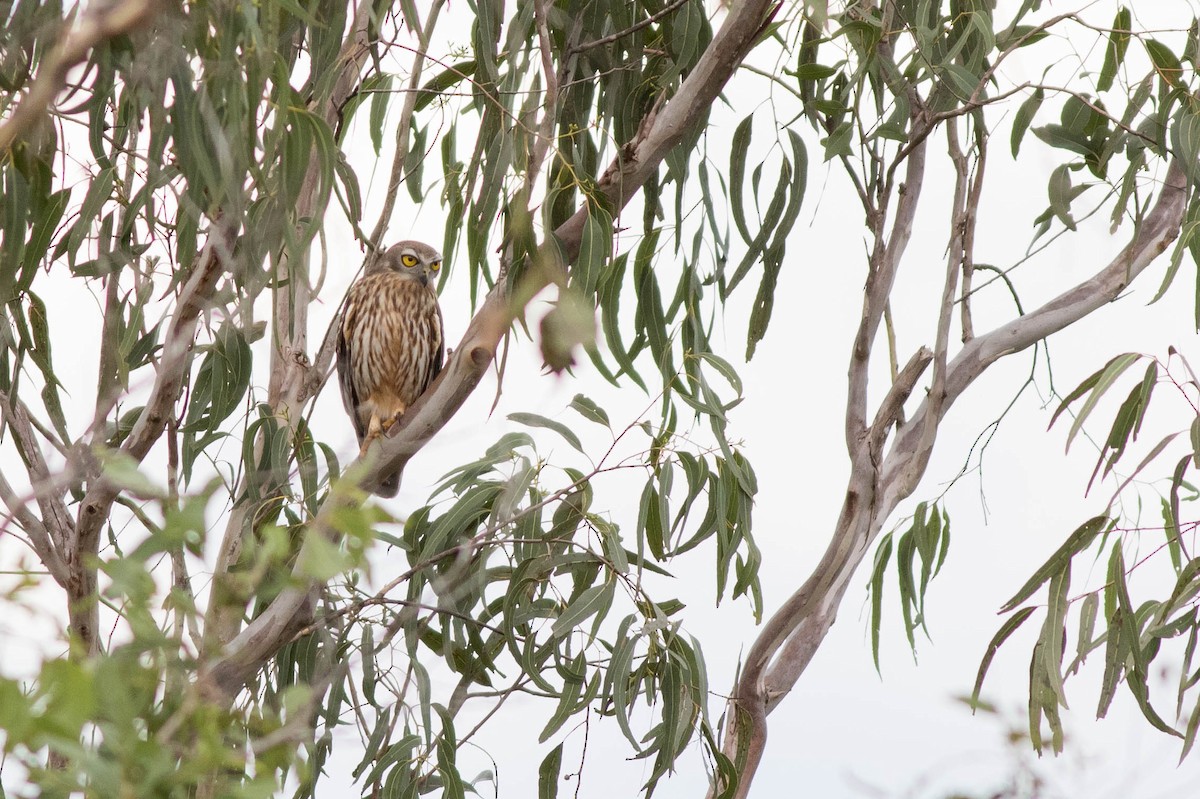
[366,651]
[1185,140]
[1060,195]
[591,601]
[1024,116]
[595,250]
[882,555]
[838,142]
[379,92]
[1115,654]
[589,410]
[548,774]
[438,84]
[1118,43]
[39,239]
[1054,632]
[568,700]
[1088,612]
[1097,384]
[1166,64]
[617,679]
[767,226]
[813,71]
[1009,627]
[737,175]
[1189,738]
[535,420]
[1076,542]
[447,749]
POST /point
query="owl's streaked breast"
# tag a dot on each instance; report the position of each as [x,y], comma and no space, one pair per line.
[394,331]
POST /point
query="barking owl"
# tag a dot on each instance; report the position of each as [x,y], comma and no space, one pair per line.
[390,344]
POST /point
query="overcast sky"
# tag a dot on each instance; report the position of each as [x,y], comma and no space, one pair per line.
[845,730]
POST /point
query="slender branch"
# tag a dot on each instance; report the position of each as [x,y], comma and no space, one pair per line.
[424,36]
[545,132]
[39,537]
[1159,228]
[969,221]
[47,489]
[173,369]
[954,262]
[885,259]
[634,28]
[100,22]
[661,130]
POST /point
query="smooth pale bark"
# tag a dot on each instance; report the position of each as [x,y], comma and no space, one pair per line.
[878,482]
[666,125]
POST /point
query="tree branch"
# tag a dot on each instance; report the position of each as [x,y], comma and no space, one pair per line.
[632,29]
[885,260]
[289,357]
[406,114]
[101,21]
[661,130]
[1160,227]
[787,641]
[173,368]
[39,537]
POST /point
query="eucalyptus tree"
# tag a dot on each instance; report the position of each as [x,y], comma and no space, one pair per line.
[189,165]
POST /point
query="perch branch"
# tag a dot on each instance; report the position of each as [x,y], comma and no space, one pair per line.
[661,130]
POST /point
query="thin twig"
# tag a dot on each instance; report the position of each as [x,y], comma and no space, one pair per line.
[396,178]
[545,133]
[634,28]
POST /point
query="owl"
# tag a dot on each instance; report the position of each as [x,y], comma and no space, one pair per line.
[390,343]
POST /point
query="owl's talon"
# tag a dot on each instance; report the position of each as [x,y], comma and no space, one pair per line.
[374,430]
[392,420]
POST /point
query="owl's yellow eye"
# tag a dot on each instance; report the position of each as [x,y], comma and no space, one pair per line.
[408,260]
[436,265]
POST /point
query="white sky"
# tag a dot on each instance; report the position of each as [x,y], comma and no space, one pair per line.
[844,731]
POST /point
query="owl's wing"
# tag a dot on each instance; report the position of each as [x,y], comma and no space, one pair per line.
[350,397]
[439,355]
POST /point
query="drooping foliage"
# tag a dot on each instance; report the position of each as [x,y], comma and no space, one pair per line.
[180,182]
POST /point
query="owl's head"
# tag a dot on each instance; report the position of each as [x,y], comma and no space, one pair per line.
[414,260]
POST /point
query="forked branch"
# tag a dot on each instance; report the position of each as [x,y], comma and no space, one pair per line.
[788,640]
[665,126]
